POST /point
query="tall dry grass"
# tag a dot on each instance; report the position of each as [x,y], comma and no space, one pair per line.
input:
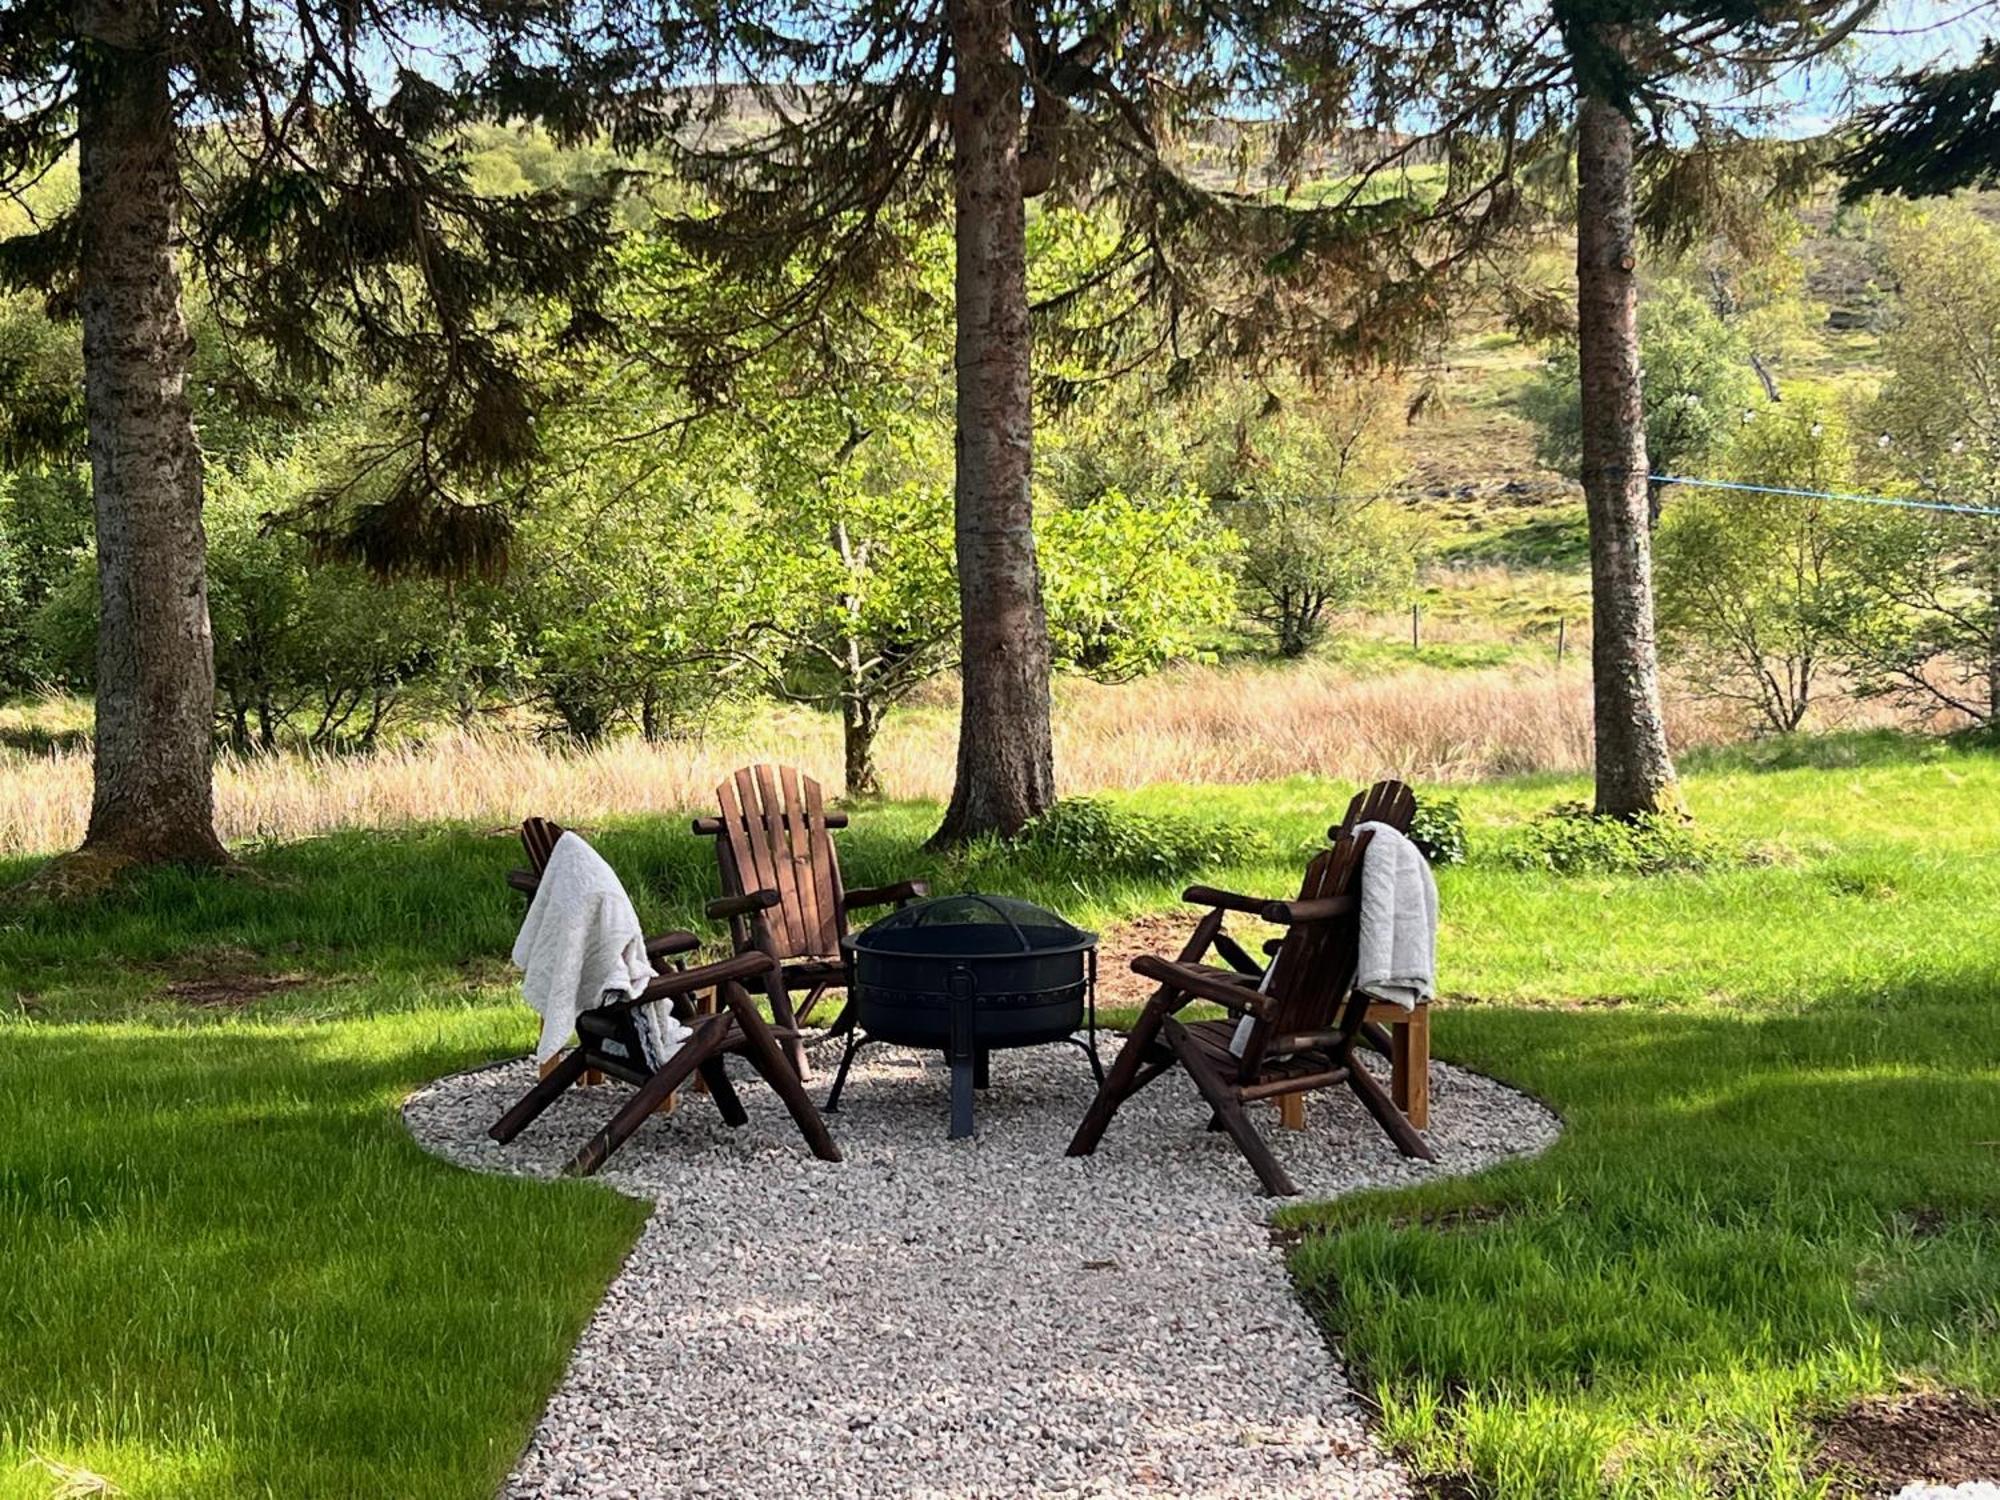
[1192,724]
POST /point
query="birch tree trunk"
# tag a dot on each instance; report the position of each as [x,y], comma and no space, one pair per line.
[860,721]
[153,800]
[1635,774]
[1006,758]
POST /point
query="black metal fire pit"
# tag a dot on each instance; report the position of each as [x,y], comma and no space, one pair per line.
[967,974]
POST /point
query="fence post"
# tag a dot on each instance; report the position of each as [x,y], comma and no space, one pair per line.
[1416,640]
[1562,632]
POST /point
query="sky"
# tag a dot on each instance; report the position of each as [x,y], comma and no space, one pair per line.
[1905,36]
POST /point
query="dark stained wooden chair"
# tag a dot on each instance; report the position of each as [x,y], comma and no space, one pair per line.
[1305,1022]
[608,1042]
[781,888]
[1402,1036]
[539,837]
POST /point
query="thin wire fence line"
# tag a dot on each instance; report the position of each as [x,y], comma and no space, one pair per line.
[1945,506]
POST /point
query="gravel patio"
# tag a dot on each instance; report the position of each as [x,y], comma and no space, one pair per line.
[975,1319]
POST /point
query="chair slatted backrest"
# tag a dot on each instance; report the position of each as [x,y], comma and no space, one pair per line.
[1314,970]
[775,836]
[1389,802]
[539,837]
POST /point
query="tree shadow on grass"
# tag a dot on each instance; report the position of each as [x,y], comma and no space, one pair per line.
[1845,750]
[1747,1219]
[221,1243]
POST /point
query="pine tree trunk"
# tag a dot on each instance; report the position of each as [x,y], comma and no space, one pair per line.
[1634,771]
[154,796]
[1006,757]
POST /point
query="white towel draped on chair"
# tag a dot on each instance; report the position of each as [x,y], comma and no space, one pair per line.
[1399,920]
[581,945]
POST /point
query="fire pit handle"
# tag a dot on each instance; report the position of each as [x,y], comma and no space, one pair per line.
[963,983]
[1002,913]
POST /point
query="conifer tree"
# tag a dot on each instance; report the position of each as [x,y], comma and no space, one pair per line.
[301,160]
[1137,117]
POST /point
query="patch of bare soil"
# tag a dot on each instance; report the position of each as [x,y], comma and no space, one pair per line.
[231,991]
[1164,933]
[225,979]
[1877,1446]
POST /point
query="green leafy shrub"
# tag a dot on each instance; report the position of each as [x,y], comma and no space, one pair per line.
[1570,839]
[1438,830]
[1088,835]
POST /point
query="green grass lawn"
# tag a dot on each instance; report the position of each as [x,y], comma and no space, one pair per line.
[224,1269]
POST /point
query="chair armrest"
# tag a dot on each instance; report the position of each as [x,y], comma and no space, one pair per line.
[671,944]
[1208,895]
[711,826]
[882,895]
[750,965]
[1285,913]
[741,906]
[527,882]
[1229,991]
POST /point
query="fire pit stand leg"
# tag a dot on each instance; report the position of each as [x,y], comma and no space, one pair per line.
[967,1061]
[1088,1041]
[855,1042]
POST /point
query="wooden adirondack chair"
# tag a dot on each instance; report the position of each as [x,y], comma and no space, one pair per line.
[781,888]
[1306,1021]
[608,1042]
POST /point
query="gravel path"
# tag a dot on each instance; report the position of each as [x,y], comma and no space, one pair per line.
[975,1319]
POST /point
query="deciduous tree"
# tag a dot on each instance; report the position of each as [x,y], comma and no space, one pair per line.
[1758,591]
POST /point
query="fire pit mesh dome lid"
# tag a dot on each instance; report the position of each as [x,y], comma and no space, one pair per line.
[1012,925]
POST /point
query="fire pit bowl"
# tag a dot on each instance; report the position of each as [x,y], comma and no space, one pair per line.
[967,974]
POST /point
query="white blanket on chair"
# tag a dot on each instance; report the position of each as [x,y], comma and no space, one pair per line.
[582,945]
[1397,961]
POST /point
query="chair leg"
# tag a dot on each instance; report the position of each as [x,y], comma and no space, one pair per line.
[1410,1070]
[1124,1081]
[1229,1110]
[1378,1038]
[805,1007]
[693,1052]
[716,1076]
[783,1014]
[1394,1123]
[795,1046]
[551,1084]
[767,1058]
